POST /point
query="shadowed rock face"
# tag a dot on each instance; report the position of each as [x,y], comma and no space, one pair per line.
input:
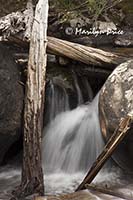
[116,101]
[11,101]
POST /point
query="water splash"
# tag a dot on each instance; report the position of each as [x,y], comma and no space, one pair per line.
[71,143]
[73,140]
[58,95]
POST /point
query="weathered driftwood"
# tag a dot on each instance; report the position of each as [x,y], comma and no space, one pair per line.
[18,22]
[32,175]
[108,150]
[81,53]
[87,55]
[29,14]
[108,192]
[12,27]
[115,102]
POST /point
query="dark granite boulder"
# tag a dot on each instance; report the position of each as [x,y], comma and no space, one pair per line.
[11,101]
[116,102]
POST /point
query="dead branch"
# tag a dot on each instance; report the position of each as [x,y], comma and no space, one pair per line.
[108,150]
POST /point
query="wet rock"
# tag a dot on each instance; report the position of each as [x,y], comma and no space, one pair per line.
[116,102]
[99,41]
[125,40]
[80,22]
[51,59]
[11,101]
[104,26]
[64,61]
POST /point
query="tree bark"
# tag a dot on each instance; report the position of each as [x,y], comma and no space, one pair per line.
[77,52]
[108,150]
[29,14]
[84,54]
[32,175]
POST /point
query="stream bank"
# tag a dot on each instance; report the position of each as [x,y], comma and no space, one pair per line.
[70,86]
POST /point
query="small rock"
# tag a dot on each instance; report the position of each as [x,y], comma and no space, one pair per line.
[104,26]
[125,40]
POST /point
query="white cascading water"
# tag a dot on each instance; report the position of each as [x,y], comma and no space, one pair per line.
[78,90]
[71,143]
[73,140]
[57,99]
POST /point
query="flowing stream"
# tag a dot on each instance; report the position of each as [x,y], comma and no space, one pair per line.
[71,142]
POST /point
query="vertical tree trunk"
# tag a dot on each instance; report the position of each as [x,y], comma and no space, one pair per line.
[32,175]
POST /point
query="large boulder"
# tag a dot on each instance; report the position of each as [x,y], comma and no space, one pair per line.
[11,101]
[116,102]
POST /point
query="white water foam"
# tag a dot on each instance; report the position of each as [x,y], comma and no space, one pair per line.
[72,140]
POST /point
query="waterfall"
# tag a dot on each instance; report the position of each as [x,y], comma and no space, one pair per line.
[72,140]
[78,90]
[57,99]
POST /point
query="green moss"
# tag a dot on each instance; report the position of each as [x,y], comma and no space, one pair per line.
[96,6]
[65,4]
[127,6]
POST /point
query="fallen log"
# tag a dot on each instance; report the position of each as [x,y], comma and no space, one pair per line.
[108,150]
[108,192]
[84,54]
[77,52]
[14,25]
